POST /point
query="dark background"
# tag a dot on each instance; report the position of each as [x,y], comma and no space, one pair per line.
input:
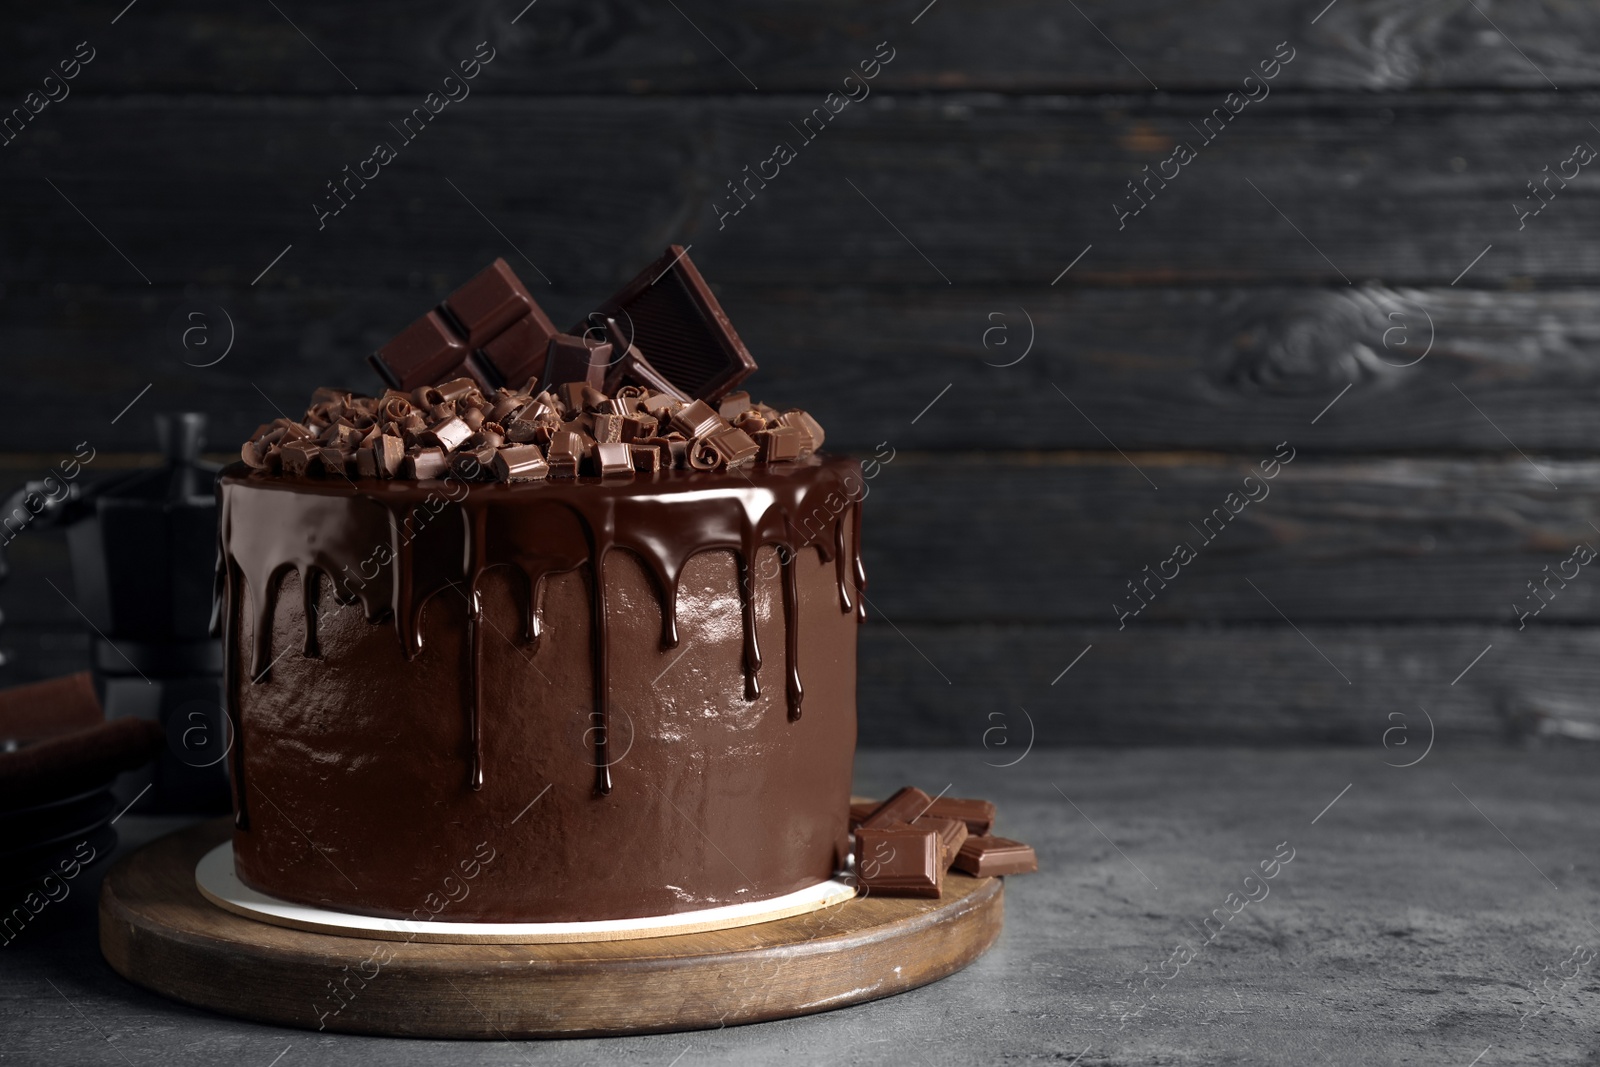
[1322,241]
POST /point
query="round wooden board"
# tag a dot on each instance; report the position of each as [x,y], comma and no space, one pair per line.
[158,931]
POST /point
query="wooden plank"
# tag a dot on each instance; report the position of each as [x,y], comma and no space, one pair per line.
[1230,369]
[993,191]
[634,47]
[1058,537]
[1235,685]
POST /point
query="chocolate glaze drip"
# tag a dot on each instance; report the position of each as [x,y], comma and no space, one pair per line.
[392,546]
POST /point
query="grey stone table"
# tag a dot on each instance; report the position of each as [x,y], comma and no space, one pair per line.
[1444,913]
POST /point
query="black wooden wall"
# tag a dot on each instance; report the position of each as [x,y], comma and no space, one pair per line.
[951,272]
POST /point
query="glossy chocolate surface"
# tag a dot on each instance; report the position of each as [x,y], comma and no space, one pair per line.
[418,668]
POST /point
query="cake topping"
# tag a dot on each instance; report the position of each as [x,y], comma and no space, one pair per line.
[483,378]
[904,846]
[455,426]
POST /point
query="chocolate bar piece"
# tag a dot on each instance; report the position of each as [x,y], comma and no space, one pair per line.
[572,360]
[778,444]
[420,354]
[899,861]
[646,458]
[859,810]
[518,352]
[985,857]
[520,463]
[697,419]
[977,814]
[448,434]
[908,804]
[427,463]
[613,457]
[952,835]
[670,314]
[489,303]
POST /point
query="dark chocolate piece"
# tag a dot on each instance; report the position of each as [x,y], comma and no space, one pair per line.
[670,315]
[299,456]
[977,814]
[908,804]
[899,861]
[984,857]
[518,352]
[492,301]
[421,353]
[572,360]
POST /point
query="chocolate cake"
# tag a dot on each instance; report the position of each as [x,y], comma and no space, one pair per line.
[578,645]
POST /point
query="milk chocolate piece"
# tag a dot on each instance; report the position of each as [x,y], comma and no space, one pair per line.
[952,835]
[366,462]
[908,804]
[899,861]
[734,446]
[977,814]
[489,303]
[457,389]
[422,353]
[299,456]
[573,359]
[984,857]
[672,317]
[448,434]
[811,434]
[566,452]
[778,444]
[520,463]
[733,405]
[859,810]
[607,428]
[697,419]
[613,457]
[428,463]
[646,458]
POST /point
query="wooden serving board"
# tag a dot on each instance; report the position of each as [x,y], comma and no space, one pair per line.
[158,931]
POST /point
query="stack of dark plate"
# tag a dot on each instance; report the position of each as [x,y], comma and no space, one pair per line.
[58,760]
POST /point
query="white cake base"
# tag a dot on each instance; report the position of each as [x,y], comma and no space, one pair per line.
[215,878]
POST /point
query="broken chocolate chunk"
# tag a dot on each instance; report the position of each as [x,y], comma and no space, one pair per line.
[492,301]
[613,457]
[697,419]
[952,834]
[520,463]
[984,857]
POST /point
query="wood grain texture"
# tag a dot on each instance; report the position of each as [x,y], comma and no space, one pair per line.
[563,46]
[156,930]
[992,190]
[1230,369]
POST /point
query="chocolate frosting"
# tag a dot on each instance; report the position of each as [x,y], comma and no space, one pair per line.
[392,546]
